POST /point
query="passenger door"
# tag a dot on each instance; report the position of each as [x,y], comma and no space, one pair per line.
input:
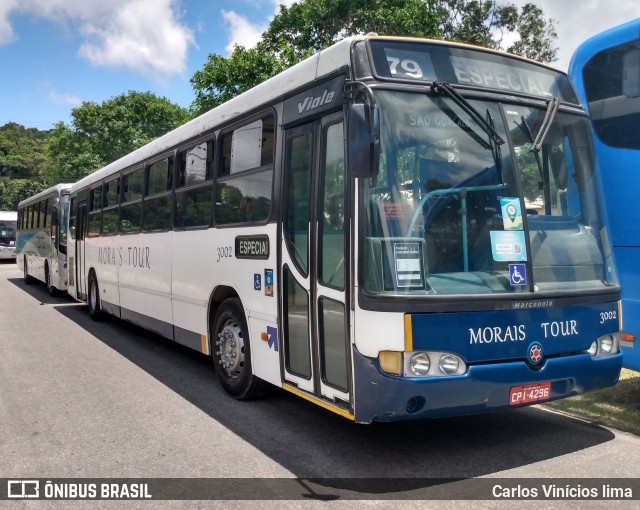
[314,264]
[81,285]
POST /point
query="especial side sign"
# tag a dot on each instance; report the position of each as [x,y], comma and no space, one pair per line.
[252,247]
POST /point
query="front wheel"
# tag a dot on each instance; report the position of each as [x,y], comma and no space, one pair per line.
[232,352]
[93,299]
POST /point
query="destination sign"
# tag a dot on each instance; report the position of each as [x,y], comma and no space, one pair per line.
[426,62]
[252,247]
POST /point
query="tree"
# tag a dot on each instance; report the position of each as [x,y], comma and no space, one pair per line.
[100,134]
[316,24]
[22,152]
[223,78]
[14,191]
[536,35]
[309,26]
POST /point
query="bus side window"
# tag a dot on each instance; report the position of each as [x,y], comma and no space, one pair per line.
[95,212]
[158,200]
[131,208]
[194,196]
[244,186]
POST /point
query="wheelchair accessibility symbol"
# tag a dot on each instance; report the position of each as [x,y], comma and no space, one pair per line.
[518,274]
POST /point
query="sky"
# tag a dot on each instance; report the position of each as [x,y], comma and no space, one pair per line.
[56,54]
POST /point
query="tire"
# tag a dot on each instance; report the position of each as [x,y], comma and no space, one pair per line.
[28,280]
[53,292]
[232,352]
[93,299]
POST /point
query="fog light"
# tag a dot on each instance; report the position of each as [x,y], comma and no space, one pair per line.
[449,364]
[391,362]
[420,364]
[606,344]
[594,348]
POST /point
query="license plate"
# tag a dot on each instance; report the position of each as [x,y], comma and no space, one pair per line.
[530,393]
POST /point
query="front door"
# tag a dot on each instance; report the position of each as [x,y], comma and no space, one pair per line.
[81,285]
[314,268]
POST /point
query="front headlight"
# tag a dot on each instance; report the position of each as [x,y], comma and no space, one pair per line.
[420,364]
[606,344]
[433,364]
[449,364]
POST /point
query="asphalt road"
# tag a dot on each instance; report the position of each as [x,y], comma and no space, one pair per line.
[81,399]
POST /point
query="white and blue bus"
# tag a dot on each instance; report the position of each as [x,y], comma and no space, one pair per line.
[392,229]
[8,225]
[41,249]
[606,72]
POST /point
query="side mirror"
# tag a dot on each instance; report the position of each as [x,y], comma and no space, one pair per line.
[363,140]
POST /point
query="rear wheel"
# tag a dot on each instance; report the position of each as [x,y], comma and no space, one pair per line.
[47,279]
[93,299]
[232,352]
[27,278]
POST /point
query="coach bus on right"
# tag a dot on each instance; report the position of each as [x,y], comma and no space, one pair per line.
[606,73]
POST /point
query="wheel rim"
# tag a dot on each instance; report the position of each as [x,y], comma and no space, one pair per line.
[231,349]
[93,298]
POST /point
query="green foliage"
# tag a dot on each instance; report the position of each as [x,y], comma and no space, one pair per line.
[476,22]
[100,134]
[309,26]
[71,155]
[22,152]
[537,35]
[15,190]
[22,162]
[223,78]
[316,24]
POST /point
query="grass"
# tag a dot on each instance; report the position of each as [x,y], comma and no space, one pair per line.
[617,407]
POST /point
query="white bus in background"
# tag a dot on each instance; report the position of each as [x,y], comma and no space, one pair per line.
[41,248]
[8,222]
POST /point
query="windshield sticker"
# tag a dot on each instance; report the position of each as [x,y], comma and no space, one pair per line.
[517,274]
[394,210]
[408,264]
[511,213]
[508,246]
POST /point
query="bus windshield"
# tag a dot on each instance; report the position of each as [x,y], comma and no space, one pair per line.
[8,232]
[447,213]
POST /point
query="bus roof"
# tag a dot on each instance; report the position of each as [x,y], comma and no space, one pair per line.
[614,36]
[8,216]
[58,189]
[315,67]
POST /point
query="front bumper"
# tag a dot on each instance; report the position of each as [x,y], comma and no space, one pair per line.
[384,397]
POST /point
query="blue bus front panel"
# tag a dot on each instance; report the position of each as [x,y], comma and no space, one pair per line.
[496,348]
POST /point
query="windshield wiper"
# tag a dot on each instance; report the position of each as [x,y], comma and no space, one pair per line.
[497,152]
[536,144]
[446,89]
[552,109]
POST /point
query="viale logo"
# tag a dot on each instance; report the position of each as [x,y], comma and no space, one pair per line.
[311,102]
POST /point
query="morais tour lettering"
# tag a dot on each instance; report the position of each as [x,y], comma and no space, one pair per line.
[130,256]
[518,332]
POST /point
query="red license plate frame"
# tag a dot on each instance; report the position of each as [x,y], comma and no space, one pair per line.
[528,393]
